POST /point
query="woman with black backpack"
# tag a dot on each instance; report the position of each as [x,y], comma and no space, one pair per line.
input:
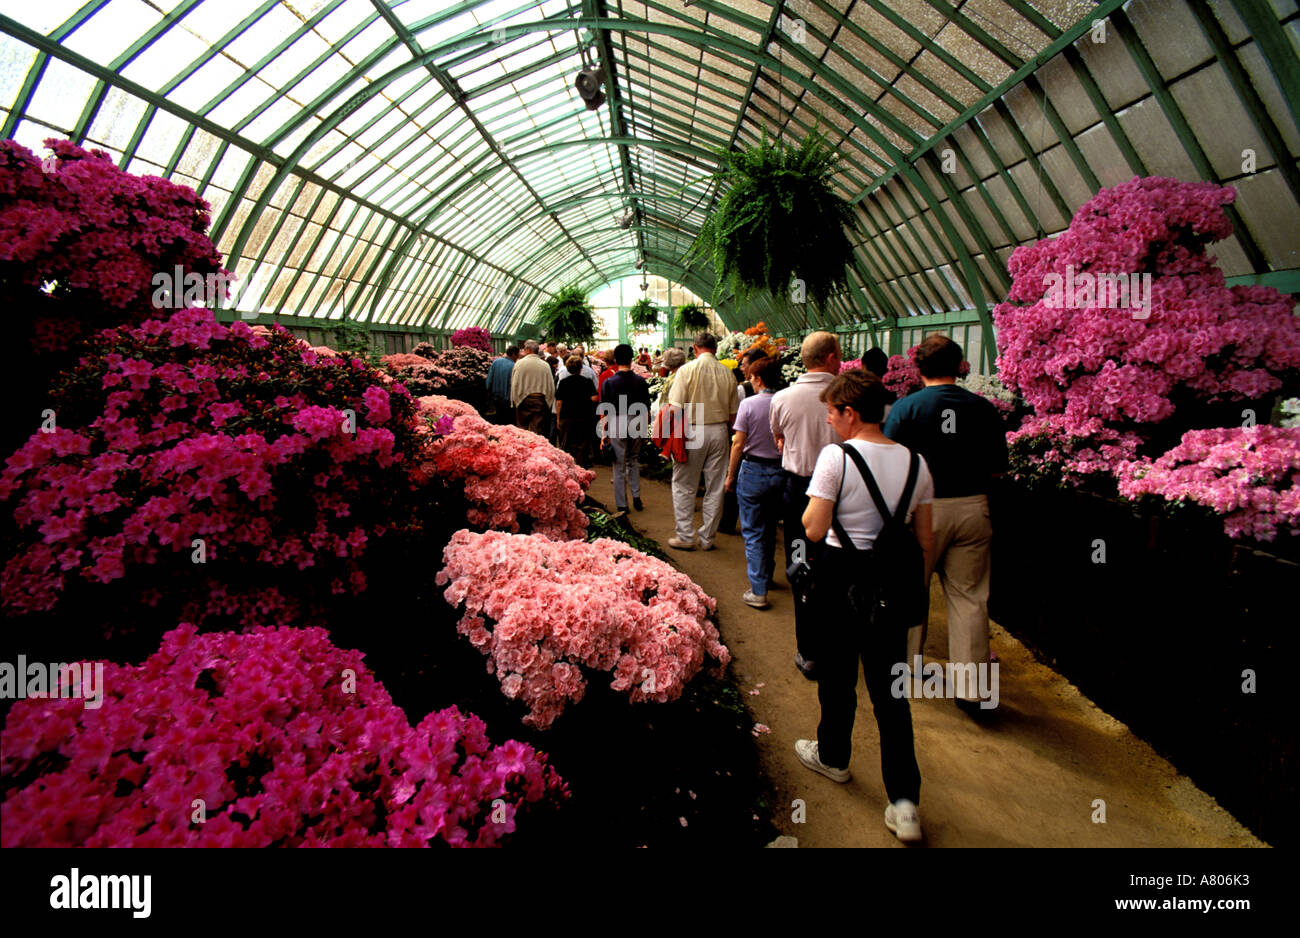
[869,586]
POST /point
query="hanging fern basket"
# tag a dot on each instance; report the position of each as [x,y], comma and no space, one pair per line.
[690,318]
[643,316]
[780,221]
[568,317]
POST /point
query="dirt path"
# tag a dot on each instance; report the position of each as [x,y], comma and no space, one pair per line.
[1029,778]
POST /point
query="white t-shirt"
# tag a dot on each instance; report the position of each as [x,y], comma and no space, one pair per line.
[857,510]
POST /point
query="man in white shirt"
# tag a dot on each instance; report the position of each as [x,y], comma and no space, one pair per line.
[706,391]
[801,432]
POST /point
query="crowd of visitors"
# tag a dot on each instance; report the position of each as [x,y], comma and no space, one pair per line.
[872,495]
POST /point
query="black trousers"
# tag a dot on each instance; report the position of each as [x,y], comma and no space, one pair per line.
[504,412]
[794,504]
[845,636]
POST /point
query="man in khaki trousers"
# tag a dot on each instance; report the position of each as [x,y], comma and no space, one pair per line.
[961,437]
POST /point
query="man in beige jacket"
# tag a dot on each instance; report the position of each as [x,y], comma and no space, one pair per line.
[706,391]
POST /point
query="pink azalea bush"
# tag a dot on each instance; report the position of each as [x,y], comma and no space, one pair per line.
[542,610]
[402,360]
[513,479]
[472,337]
[1249,475]
[435,406]
[182,429]
[96,234]
[287,740]
[427,371]
[1100,375]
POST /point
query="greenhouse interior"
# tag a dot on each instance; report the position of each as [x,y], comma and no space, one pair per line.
[650,423]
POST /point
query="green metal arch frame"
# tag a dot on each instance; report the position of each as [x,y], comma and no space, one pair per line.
[593,23]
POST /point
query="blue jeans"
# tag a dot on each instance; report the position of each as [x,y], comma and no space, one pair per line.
[627,468]
[760,490]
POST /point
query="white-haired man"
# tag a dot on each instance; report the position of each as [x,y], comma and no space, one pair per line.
[532,390]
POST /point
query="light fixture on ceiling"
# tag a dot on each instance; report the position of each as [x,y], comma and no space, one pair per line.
[626,221]
[588,84]
[640,262]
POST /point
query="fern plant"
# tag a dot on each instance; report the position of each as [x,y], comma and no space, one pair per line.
[643,315]
[568,317]
[779,220]
[690,318]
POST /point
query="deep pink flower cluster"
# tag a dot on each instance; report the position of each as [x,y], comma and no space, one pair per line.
[282,738]
[183,429]
[851,365]
[1043,450]
[1094,362]
[511,477]
[1249,475]
[98,234]
[472,337]
[541,609]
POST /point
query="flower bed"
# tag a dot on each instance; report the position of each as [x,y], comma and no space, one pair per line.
[281,738]
[541,610]
[513,479]
[188,454]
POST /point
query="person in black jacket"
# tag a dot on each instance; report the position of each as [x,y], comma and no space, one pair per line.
[625,412]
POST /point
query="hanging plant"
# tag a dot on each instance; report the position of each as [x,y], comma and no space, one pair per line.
[643,315]
[691,318]
[779,221]
[568,317]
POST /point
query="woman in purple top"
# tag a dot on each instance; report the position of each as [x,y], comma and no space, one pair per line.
[757,479]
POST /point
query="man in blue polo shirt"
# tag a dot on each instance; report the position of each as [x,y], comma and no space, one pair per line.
[498,385]
[961,437]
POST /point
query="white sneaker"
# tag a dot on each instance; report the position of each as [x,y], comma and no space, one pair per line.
[902,818]
[806,750]
[758,602]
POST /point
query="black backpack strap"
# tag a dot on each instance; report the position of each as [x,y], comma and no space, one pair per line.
[845,541]
[913,471]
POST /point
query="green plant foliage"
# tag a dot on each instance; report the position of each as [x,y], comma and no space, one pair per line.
[355,340]
[779,219]
[568,317]
[643,315]
[600,524]
[690,318]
